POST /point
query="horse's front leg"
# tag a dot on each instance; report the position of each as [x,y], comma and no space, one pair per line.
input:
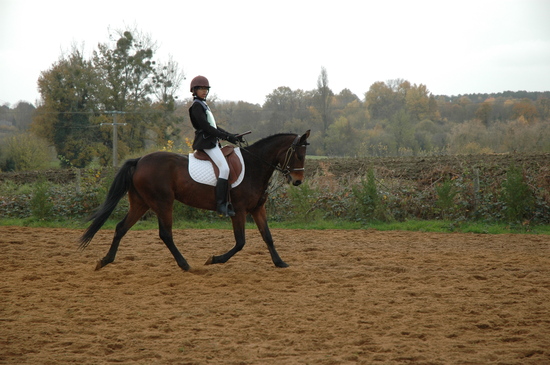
[238,221]
[260,217]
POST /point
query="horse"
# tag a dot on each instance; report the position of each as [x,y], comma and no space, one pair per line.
[154,181]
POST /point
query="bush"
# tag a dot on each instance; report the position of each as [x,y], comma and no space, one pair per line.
[368,202]
[41,201]
[516,196]
[25,152]
[484,194]
[446,194]
[303,202]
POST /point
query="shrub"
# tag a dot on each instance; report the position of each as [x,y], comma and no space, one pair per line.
[368,202]
[41,201]
[367,196]
[446,193]
[484,193]
[516,195]
[25,152]
[303,200]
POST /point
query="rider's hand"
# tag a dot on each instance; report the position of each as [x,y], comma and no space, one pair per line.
[232,138]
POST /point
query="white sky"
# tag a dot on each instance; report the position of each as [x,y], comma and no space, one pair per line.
[249,48]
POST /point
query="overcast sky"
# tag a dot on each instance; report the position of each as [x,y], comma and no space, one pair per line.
[249,48]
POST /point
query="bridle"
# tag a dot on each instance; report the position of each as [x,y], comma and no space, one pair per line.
[285,168]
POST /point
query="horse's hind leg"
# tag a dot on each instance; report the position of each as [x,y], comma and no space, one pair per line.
[134,214]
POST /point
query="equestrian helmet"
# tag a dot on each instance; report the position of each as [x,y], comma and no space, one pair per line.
[199,81]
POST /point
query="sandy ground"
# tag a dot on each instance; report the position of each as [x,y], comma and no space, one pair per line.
[363,297]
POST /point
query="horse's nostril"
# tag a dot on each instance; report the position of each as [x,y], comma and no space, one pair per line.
[297,182]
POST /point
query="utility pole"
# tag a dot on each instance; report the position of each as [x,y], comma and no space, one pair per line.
[115,134]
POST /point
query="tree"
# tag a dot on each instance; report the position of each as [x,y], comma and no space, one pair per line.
[483,112]
[135,84]
[282,108]
[344,98]
[417,101]
[23,113]
[323,96]
[67,91]
[543,108]
[525,109]
[341,102]
[238,116]
[343,139]
[433,110]
[385,99]
[471,137]
[125,71]
[167,80]
[79,95]
[401,128]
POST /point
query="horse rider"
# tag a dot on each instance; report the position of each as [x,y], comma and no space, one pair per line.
[207,136]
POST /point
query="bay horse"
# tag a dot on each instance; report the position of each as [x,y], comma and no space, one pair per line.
[154,181]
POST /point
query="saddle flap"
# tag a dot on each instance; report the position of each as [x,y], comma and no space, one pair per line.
[235,166]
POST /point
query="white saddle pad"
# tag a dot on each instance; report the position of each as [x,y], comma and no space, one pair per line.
[203,172]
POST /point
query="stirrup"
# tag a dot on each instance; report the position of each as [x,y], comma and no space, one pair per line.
[226,209]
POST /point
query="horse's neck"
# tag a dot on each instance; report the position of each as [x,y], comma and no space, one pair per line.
[271,150]
[265,156]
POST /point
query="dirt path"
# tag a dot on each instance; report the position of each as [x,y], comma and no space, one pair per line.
[349,297]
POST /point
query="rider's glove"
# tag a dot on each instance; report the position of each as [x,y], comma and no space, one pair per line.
[233,138]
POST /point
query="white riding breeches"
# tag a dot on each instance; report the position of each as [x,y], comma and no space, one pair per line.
[217,156]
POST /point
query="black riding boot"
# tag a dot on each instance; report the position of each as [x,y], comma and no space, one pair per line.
[222,205]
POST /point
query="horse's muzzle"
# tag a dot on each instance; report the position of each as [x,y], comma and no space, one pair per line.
[294,180]
[295,177]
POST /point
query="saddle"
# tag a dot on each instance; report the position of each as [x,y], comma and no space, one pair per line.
[235,166]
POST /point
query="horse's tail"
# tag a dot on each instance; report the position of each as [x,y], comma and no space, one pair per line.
[120,186]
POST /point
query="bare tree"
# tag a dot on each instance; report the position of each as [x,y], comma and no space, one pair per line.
[167,80]
[324,96]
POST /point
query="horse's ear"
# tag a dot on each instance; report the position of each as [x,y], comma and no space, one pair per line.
[305,136]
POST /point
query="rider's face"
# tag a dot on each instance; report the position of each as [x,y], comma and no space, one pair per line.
[201,91]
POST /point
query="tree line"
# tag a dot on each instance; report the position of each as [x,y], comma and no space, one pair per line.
[123,82]
[397,118]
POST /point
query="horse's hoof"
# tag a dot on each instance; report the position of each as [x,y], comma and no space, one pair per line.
[282,264]
[99,265]
[210,261]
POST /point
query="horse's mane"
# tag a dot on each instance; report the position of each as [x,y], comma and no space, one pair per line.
[268,139]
